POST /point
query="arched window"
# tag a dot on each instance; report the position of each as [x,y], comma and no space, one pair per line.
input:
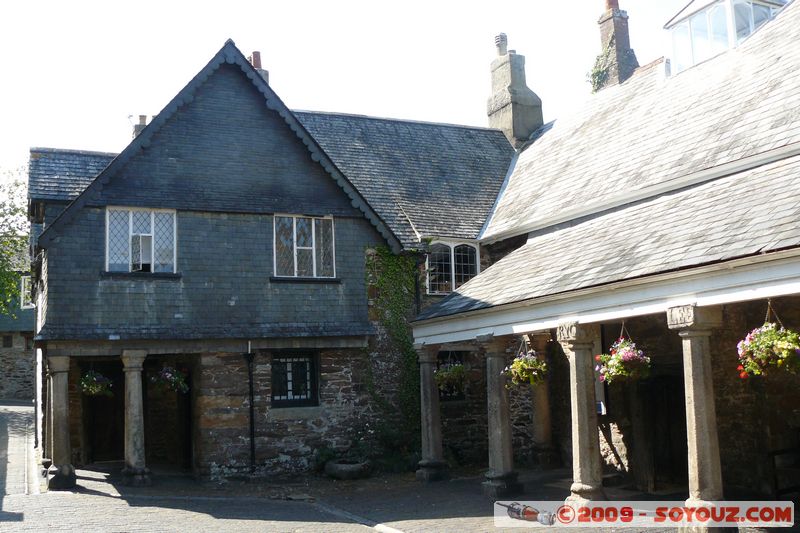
[450,266]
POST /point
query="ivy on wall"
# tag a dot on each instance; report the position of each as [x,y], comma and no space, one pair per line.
[393,279]
[599,74]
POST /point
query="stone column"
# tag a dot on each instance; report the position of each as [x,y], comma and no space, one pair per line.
[542,424]
[501,479]
[61,449]
[135,472]
[577,341]
[432,467]
[694,325]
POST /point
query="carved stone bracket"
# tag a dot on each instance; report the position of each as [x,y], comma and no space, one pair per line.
[691,316]
[574,333]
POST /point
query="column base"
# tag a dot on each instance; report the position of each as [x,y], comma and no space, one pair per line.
[136,477]
[499,486]
[581,493]
[431,471]
[63,478]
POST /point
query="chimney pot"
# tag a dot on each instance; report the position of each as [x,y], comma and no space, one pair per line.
[137,128]
[616,61]
[255,60]
[501,42]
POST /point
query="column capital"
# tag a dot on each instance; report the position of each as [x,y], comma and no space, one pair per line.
[58,363]
[133,359]
[692,317]
[575,333]
[427,353]
[495,346]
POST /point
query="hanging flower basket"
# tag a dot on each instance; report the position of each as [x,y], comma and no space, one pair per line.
[170,378]
[625,362]
[526,368]
[95,384]
[770,346]
[450,378]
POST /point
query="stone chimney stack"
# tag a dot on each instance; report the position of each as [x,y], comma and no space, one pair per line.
[513,107]
[255,60]
[137,128]
[616,61]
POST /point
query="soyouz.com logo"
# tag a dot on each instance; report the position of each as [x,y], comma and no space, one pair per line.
[643,514]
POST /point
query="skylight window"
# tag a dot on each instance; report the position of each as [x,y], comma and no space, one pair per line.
[703,34]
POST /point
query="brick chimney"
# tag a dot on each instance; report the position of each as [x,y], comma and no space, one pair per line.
[513,107]
[255,60]
[137,128]
[616,61]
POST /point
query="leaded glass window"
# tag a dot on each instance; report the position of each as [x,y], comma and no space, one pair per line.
[450,266]
[304,247]
[140,240]
[294,380]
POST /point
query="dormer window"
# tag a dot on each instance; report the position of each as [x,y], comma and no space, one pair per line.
[450,265]
[701,34]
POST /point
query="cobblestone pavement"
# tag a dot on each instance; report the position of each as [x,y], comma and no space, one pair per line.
[176,503]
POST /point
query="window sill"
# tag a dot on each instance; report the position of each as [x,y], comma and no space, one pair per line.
[141,275]
[276,279]
[294,413]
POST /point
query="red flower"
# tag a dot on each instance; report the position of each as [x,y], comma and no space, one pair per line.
[597,358]
[743,375]
[740,368]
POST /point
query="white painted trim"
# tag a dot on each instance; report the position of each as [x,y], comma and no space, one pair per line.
[452,244]
[23,292]
[628,197]
[751,278]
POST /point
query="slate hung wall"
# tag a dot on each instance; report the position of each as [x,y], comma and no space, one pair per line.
[226,163]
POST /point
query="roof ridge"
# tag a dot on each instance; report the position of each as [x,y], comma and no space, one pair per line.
[390,119]
[50,150]
[229,54]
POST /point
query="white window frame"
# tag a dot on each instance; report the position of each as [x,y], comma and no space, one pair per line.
[152,236]
[452,245]
[313,248]
[25,302]
[733,39]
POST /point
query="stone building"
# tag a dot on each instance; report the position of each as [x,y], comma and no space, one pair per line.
[268,255]
[16,350]
[667,205]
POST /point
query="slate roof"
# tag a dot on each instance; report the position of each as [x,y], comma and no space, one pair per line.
[230,55]
[60,175]
[752,212]
[422,178]
[652,131]
[438,179]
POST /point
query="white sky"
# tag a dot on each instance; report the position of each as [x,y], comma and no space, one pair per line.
[74,71]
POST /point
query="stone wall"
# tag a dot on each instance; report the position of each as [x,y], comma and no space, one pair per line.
[17,366]
[287,438]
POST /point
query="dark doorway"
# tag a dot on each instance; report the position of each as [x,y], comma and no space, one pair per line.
[168,417]
[104,416]
[666,398]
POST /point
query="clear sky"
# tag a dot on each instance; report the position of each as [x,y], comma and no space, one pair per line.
[75,71]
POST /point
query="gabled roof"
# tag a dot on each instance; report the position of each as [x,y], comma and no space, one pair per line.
[61,175]
[424,179]
[749,213]
[231,55]
[653,134]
